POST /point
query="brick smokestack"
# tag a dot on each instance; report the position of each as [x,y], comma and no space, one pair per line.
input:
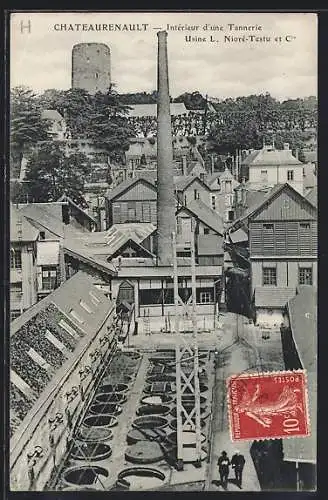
[165,188]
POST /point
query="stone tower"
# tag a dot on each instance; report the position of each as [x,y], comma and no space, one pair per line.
[91,67]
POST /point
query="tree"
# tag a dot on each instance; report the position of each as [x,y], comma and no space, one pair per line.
[108,126]
[51,173]
[26,125]
[139,98]
[75,105]
[192,100]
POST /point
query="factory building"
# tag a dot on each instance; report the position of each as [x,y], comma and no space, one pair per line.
[91,67]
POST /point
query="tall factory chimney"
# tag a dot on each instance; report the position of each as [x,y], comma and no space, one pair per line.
[165,185]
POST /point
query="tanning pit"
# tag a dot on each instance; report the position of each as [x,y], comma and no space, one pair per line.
[161,378]
[159,388]
[110,409]
[94,435]
[157,400]
[144,452]
[117,388]
[111,397]
[142,478]
[153,410]
[150,422]
[135,435]
[90,451]
[83,476]
[103,420]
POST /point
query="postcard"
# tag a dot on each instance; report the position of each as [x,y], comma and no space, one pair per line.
[163,251]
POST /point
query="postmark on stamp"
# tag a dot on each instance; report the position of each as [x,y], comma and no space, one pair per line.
[268,405]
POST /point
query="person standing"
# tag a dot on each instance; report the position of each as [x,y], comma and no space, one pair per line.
[237,463]
[223,463]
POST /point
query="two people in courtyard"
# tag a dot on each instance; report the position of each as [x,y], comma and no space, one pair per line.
[237,463]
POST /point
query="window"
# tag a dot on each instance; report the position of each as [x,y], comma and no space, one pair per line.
[206,230]
[268,228]
[205,297]
[96,75]
[76,316]
[42,235]
[230,215]
[85,306]
[264,176]
[15,259]
[196,194]
[179,225]
[213,202]
[16,292]
[68,329]
[49,278]
[228,186]
[184,254]
[290,175]
[94,299]
[304,225]
[14,314]
[305,276]
[270,276]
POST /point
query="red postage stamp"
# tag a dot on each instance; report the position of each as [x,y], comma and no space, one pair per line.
[268,405]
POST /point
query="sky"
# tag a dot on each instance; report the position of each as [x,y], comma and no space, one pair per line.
[278,54]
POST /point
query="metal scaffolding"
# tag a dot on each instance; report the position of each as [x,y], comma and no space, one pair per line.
[187,366]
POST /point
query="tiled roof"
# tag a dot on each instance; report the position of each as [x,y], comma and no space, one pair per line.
[48,215]
[17,220]
[271,157]
[125,185]
[310,179]
[69,200]
[310,156]
[177,108]
[312,196]
[273,296]
[181,182]
[42,330]
[207,215]
[303,321]
[67,297]
[97,247]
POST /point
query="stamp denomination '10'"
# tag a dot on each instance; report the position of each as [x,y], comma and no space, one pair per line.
[268,405]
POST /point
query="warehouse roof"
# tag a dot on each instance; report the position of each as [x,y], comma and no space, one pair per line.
[68,297]
[20,228]
[207,215]
[96,248]
[303,322]
[273,297]
[271,157]
[48,215]
[181,182]
[312,196]
[125,186]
